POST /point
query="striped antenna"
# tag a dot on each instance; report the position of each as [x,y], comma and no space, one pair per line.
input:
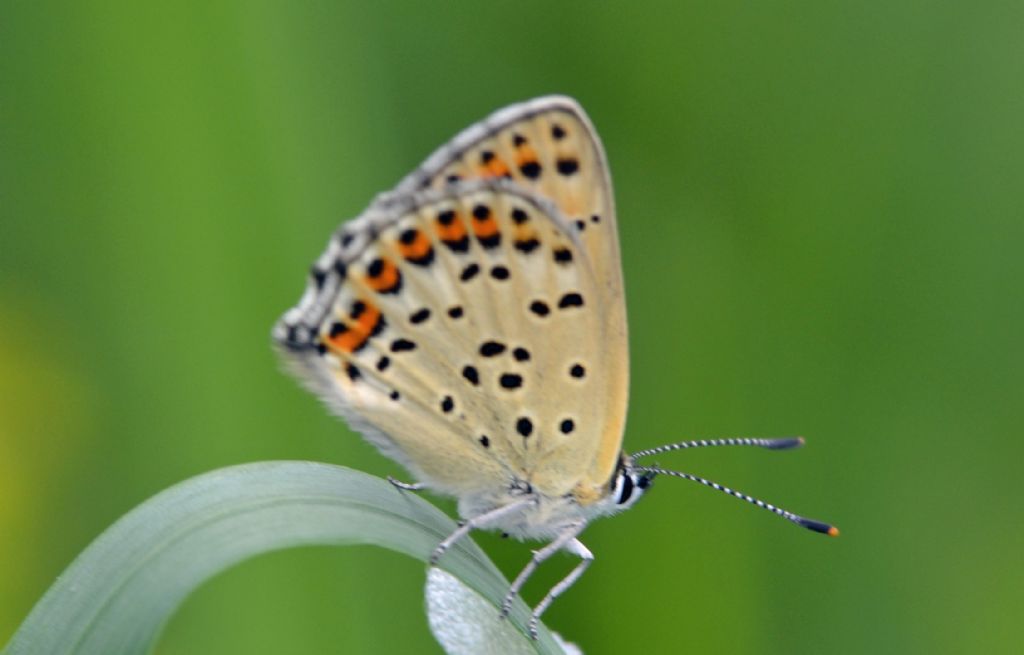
[784,443]
[810,524]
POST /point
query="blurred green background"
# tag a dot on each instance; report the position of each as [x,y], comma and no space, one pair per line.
[822,217]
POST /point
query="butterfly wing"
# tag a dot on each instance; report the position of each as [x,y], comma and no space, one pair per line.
[480,346]
[549,146]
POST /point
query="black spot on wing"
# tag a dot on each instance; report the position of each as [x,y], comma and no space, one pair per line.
[531,169]
[379,326]
[510,381]
[500,273]
[524,426]
[481,212]
[469,272]
[567,166]
[352,371]
[402,345]
[490,241]
[318,277]
[457,245]
[571,299]
[563,256]
[408,236]
[426,259]
[526,245]
[491,348]
[540,308]
[419,316]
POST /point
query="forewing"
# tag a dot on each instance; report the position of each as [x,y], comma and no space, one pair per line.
[549,146]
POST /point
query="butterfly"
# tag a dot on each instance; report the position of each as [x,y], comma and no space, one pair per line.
[471,324]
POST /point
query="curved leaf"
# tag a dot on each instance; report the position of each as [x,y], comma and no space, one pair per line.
[119,592]
[466,624]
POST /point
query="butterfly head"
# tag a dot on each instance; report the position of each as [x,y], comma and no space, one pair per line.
[629,484]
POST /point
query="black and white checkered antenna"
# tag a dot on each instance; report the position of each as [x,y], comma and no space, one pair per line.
[771,444]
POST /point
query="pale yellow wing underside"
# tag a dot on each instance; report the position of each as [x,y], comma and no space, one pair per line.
[543,398]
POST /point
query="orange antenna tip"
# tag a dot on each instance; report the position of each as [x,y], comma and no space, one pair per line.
[811,524]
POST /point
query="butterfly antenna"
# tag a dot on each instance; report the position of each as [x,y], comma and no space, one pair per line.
[784,443]
[810,524]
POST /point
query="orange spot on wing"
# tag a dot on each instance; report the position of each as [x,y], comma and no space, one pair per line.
[524,233]
[347,341]
[525,155]
[453,231]
[485,228]
[418,249]
[494,168]
[369,319]
[387,279]
[357,332]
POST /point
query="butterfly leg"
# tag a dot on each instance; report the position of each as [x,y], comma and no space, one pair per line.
[565,541]
[477,522]
[406,486]
[539,556]
[576,548]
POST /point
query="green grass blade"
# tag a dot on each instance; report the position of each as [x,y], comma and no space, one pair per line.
[119,593]
[465,623]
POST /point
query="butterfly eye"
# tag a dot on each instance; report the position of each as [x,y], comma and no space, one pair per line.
[629,487]
[623,488]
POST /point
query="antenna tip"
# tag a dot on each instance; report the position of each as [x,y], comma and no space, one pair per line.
[784,443]
[818,526]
